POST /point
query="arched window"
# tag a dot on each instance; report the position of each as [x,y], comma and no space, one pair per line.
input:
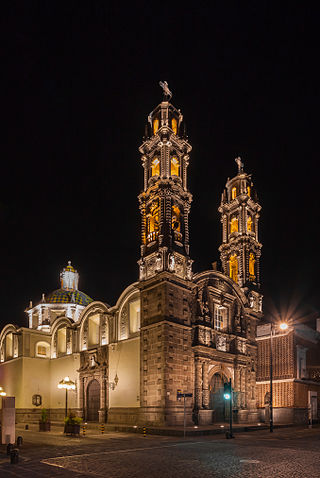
[249,190]
[234,193]
[249,224]
[233,267]
[9,346]
[174,125]
[134,316]
[155,167]
[234,226]
[175,166]
[62,341]
[93,330]
[155,125]
[152,221]
[252,261]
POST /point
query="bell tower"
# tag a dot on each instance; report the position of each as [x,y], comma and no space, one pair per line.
[165,284]
[165,200]
[240,250]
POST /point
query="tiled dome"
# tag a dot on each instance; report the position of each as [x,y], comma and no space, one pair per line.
[63,296]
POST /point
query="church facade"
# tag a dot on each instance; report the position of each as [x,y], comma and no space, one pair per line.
[171,330]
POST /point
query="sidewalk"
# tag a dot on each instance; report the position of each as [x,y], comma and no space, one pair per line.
[94,429]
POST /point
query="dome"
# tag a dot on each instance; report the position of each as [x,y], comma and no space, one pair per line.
[63,296]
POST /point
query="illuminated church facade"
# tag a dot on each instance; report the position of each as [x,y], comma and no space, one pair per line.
[171,330]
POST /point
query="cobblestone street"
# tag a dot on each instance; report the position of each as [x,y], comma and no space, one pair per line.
[288,453]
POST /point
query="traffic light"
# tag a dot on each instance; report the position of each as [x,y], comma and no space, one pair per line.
[227,391]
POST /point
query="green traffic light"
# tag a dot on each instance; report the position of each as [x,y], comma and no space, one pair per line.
[227,396]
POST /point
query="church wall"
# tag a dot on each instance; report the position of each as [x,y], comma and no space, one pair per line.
[60,368]
[124,360]
[11,374]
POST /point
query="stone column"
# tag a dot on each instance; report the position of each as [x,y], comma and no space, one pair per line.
[205,386]
[198,384]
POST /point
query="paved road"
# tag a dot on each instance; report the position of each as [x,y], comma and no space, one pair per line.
[288,453]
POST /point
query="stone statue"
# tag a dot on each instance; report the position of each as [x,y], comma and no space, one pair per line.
[142,270]
[171,262]
[158,262]
[240,165]
[166,92]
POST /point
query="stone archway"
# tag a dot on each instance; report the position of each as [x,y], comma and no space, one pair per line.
[217,401]
[93,401]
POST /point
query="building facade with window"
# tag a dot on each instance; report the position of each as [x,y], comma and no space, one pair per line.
[296,378]
[171,330]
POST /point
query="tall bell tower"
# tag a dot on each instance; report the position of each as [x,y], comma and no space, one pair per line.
[240,250]
[165,284]
[165,200]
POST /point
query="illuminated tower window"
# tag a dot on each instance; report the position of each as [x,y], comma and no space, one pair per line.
[176,222]
[155,126]
[175,166]
[249,191]
[153,221]
[234,227]
[249,224]
[233,265]
[252,261]
[155,167]
[174,125]
[234,193]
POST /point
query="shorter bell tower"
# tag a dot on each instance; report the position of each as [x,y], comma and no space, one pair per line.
[240,250]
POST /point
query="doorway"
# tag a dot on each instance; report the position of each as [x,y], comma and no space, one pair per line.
[217,401]
[93,401]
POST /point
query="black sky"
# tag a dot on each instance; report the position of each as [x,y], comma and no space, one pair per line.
[79,79]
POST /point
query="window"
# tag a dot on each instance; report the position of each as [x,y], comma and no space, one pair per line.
[153,221]
[234,227]
[155,167]
[234,193]
[93,330]
[249,224]
[62,340]
[134,316]
[233,267]
[9,346]
[175,166]
[252,261]
[42,349]
[174,125]
[155,125]
[219,317]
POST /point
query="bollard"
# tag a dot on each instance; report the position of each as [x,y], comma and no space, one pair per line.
[144,431]
[19,441]
[84,430]
[10,447]
[14,456]
[102,428]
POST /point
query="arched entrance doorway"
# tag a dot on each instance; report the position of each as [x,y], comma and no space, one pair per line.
[93,401]
[217,401]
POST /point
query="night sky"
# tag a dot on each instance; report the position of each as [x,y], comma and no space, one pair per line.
[78,81]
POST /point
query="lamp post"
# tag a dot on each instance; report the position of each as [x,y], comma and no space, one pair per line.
[282,326]
[2,392]
[67,384]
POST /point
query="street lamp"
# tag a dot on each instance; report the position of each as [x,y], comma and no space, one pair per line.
[2,392]
[67,384]
[282,326]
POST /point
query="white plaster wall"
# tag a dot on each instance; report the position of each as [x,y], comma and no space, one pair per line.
[60,368]
[124,361]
